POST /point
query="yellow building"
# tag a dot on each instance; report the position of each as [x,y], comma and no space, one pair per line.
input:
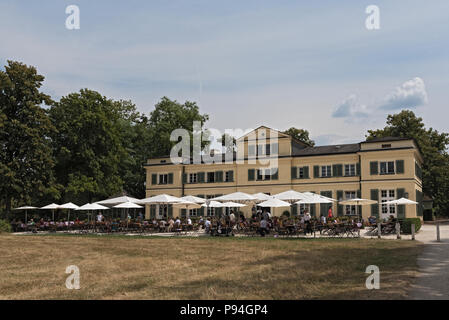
[269,161]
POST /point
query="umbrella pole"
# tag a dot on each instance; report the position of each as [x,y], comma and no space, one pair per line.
[53,215]
[26,216]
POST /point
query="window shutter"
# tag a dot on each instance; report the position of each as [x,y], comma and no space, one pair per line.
[340,207]
[201,177]
[275,173]
[324,207]
[306,172]
[340,170]
[359,208]
[152,211]
[267,149]
[375,207]
[401,208]
[399,166]
[374,167]
[294,210]
[183,213]
[316,171]
[154,178]
[231,175]
[200,211]
[419,206]
[170,211]
[274,148]
[358,169]
[250,174]
[170,178]
[313,210]
[294,172]
[335,170]
[184,178]
[219,176]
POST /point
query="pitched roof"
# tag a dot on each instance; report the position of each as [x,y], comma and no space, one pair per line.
[384,139]
[332,149]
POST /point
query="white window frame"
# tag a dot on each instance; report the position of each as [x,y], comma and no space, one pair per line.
[328,171]
[387,162]
[193,177]
[387,195]
[165,177]
[350,209]
[351,171]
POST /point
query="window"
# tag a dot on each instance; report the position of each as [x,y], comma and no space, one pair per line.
[193,212]
[326,171]
[193,178]
[386,146]
[163,212]
[211,177]
[229,176]
[259,174]
[267,174]
[387,210]
[163,178]
[387,167]
[349,170]
[350,210]
[251,150]
[301,173]
[267,150]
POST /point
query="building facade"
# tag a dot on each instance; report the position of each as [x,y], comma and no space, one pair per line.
[269,161]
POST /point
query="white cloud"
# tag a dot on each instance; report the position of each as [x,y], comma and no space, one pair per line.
[410,94]
[350,107]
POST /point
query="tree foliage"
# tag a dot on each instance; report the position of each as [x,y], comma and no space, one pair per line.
[433,146]
[300,134]
[26,161]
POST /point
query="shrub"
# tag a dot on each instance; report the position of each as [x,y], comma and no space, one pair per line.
[5,226]
[286,213]
[406,225]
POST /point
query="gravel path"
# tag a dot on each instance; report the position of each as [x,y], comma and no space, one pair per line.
[433,281]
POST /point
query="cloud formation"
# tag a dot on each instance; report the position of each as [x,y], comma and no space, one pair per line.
[410,94]
[349,107]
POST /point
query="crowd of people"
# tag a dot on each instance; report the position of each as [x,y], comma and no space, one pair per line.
[262,222]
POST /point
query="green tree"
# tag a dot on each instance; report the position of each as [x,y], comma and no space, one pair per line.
[300,134]
[169,115]
[25,159]
[89,146]
[433,146]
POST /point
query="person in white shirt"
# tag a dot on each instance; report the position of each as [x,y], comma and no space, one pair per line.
[207,225]
[263,227]
[189,221]
[232,217]
[99,217]
[323,219]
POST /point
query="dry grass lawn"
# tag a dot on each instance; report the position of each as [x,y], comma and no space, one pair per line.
[115,267]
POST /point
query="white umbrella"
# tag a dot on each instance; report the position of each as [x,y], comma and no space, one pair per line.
[184,204]
[312,198]
[128,205]
[290,196]
[51,207]
[240,197]
[231,204]
[26,208]
[92,206]
[193,199]
[274,203]
[357,202]
[400,201]
[118,200]
[213,204]
[262,196]
[162,199]
[69,206]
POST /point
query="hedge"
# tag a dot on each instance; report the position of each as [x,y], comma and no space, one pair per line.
[5,226]
[406,225]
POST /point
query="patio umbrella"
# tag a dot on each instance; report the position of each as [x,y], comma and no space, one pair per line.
[91,207]
[51,207]
[114,201]
[262,196]
[357,202]
[312,198]
[240,197]
[162,200]
[184,204]
[232,204]
[400,201]
[213,204]
[26,208]
[194,199]
[290,196]
[126,206]
[274,203]
[69,206]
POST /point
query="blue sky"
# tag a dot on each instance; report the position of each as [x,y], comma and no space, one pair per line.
[308,64]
